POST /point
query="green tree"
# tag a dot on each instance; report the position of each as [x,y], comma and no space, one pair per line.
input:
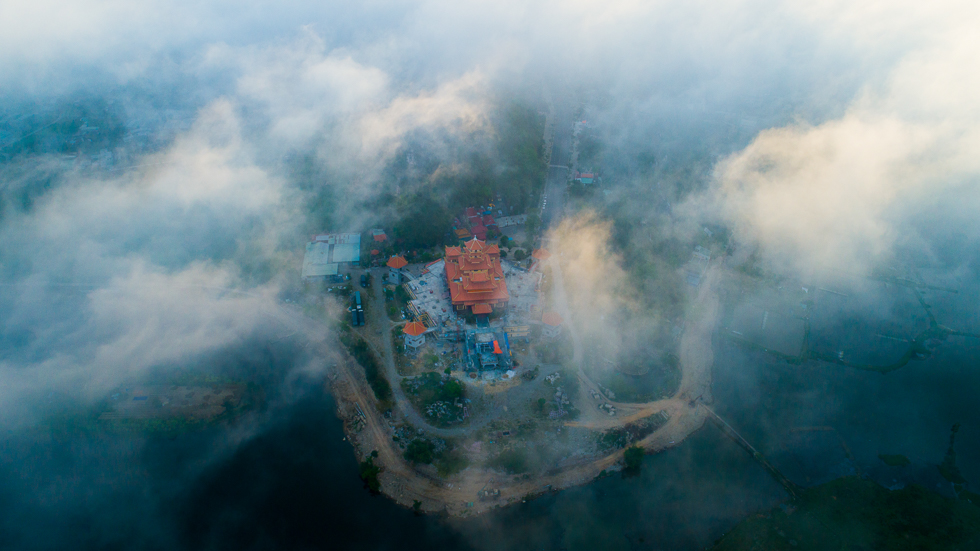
[420,451]
[453,389]
[369,473]
[533,224]
[633,456]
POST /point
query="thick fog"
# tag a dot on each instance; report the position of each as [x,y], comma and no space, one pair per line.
[829,139]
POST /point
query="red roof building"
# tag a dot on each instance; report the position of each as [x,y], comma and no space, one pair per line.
[397,262]
[475,277]
[551,318]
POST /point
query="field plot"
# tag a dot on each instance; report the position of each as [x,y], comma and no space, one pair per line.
[812,455]
[874,326]
[161,402]
[769,329]
[773,319]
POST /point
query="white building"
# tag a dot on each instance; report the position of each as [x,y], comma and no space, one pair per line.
[395,265]
[325,254]
[552,324]
[414,334]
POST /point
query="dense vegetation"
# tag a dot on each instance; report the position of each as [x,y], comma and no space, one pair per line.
[437,396]
[633,457]
[369,473]
[852,513]
[511,461]
[422,206]
[447,458]
[358,348]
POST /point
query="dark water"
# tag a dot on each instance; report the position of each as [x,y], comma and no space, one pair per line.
[284,479]
[294,486]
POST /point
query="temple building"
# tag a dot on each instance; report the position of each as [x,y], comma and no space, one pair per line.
[475,277]
[395,265]
[414,334]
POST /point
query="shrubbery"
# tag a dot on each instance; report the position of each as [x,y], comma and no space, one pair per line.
[633,456]
[369,473]
[358,348]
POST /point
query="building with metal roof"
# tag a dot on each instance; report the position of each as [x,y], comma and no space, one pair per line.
[326,253]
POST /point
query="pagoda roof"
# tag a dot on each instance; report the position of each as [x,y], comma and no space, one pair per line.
[474,274]
[482,308]
[414,328]
[475,245]
[397,262]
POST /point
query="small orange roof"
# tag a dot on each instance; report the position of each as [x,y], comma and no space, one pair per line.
[375,252]
[552,319]
[540,254]
[413,328]
[397,262]
[482,308]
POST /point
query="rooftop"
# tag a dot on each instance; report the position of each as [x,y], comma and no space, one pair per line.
[327,251]
[397,262]
[551,318]
[474,275]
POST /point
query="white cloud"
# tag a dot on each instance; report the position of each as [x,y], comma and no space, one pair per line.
[839,195]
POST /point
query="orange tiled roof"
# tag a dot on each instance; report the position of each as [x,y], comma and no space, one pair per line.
[540,254]
[552,319]
[475,276]
[413,328]
[397,262]
[482,308]
[474,245]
